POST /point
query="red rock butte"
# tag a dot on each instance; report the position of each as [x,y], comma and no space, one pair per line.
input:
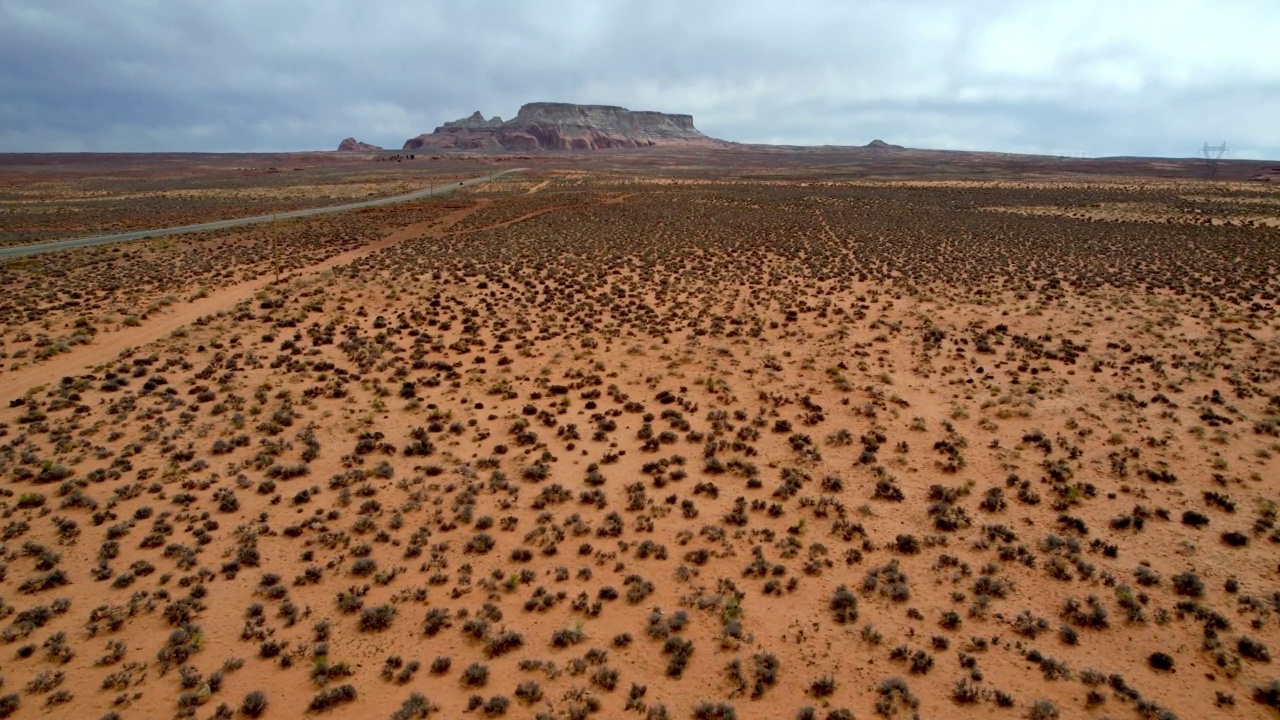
[565,126]
[353,145]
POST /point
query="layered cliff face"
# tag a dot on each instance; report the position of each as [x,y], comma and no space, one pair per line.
[564,126]
[353,145]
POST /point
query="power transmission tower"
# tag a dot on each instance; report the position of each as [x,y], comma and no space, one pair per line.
[1212,154]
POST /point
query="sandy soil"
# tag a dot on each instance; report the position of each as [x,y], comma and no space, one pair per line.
[636,442]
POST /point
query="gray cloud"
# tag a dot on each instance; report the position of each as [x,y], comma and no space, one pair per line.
[1057,76]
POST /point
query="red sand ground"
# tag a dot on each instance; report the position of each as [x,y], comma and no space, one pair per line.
[596,416]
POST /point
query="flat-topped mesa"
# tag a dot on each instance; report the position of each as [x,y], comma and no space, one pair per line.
[565,126]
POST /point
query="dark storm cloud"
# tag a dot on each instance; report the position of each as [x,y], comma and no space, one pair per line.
[1059,76]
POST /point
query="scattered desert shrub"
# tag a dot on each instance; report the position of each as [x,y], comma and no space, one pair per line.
[1194,519]
[1253,649]
[436,620]
[1043,710]
[844,604]
[1189,584]
[680,651]
[1235,538]
[377,618]
[892,695]
[329,698]
[966,692]
[1268,694]
[824,686]
[528,692]
[475,675]
[1160,661]
[255,704]
[496,705]
[714,711]
[503,643]
[415,707]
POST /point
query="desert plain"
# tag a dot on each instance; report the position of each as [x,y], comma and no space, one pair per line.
[713,434]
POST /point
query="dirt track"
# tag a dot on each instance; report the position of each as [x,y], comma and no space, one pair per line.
[40,248]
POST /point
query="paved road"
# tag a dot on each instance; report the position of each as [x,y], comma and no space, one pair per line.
[37,249]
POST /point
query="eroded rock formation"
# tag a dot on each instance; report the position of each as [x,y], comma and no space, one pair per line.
[353,145]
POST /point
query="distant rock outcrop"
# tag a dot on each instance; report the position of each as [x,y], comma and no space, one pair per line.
[565,126]
[353,145]
[882,145]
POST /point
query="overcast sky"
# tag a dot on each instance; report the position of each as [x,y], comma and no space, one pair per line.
[1077,77]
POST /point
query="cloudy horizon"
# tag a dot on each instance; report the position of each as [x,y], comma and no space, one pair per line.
[1082,78]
